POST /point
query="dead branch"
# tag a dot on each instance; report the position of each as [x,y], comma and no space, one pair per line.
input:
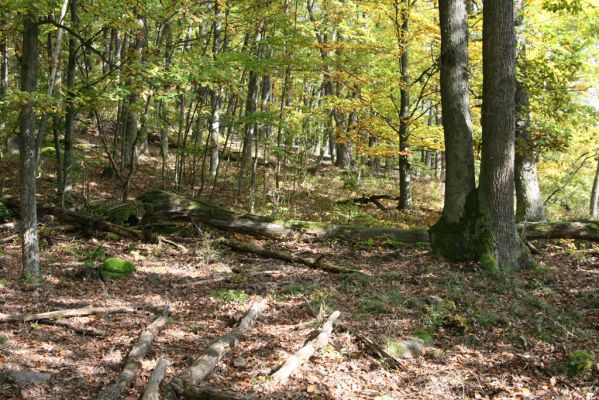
[205,365]
[227,278]
[79,331]
[302,355]
[134,358]
[74,312]
[152,390]
[287,257]
[372,348]
[174,244]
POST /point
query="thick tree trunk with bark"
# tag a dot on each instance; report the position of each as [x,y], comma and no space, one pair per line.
[28,149]
[450,231]
[501,246]
[529,204]
[217,92]
[405,185]
[71,112]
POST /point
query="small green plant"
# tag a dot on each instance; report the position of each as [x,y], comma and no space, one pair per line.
[97,254]
[3,282]
[350,182]
[33,280]
[34,325]
[3,340]
[234,296]
[579,362]
[488,319]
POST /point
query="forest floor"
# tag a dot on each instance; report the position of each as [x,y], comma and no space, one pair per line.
[486,335]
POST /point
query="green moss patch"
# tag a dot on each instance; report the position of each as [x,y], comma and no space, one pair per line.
[117,268]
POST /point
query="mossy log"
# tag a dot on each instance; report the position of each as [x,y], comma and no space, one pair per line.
[83,220]
[585,230]
[161,205]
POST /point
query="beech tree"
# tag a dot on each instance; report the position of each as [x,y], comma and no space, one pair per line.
[28,147]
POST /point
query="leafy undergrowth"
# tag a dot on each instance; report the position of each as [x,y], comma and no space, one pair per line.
[529,335]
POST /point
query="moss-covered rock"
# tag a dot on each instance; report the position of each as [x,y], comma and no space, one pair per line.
[117,268]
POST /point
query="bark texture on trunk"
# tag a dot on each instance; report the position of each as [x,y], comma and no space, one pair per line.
[405,186]
[71,112]
[502,249]
[450,231]
[27,148]
[595,194]
[529,204]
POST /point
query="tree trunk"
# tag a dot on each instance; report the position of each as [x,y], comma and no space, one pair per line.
[595,194]
[67,184]
[217,92]
[501,247]
[405,186]
[529,204]
[27,148]
[457,127]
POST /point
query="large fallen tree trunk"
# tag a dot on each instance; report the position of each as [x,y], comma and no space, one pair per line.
[588,230]
[203,366]
[83,220]
[314,263]
[161,205]
[134,358]
[302,355]
[73,312]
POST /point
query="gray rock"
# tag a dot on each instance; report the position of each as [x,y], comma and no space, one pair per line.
[23,378]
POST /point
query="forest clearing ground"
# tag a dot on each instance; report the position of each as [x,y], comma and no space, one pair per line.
[488,336]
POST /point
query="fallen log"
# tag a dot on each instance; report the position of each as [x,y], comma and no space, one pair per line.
[83,220]
[586,230]
[302,355]
[152,389]
[211,394]
[134,358]
[73,312]
[205,365]
[314,263]
[161,205]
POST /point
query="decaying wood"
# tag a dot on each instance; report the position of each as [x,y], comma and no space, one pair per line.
[152,389]
[134,358]
[73,312]
[375,199]
[588,230]
[227,278]
[83,220]
[80,331]
[314,263]
[193,393]
[174,244]
[302,355]
[374,349]
[205,365]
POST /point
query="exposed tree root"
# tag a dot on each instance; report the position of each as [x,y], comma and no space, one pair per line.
[73,312]
[136,355]
[302,355]
[205,365]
